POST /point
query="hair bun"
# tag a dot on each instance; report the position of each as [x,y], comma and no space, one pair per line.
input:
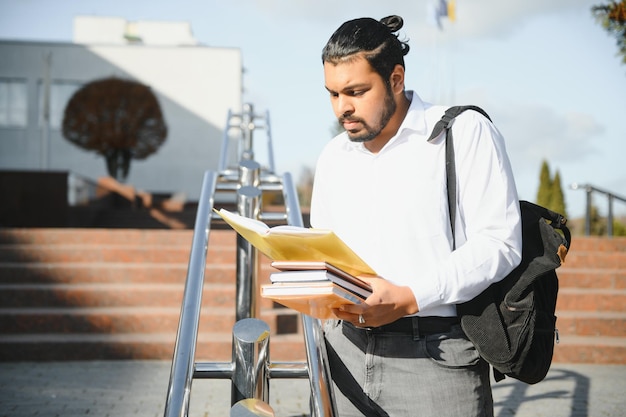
[393,22]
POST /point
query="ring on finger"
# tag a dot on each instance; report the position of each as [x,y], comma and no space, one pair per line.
[361,319]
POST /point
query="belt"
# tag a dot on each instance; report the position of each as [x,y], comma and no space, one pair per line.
[415,325]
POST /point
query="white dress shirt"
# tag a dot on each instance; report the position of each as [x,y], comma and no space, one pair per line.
[391,207]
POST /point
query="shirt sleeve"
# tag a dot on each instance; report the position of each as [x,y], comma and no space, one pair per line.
[488,225]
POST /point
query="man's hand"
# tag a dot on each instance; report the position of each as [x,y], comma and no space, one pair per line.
[388,303]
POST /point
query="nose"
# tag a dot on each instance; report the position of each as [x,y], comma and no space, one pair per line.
[344,106]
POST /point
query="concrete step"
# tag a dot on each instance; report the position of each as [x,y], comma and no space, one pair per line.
[109,253]
[116,294]
[595,259]
[590,277]
[112,272]
[591,299]
[109,295]
[591,323]
[130,319]
[590,349]
[597,244]
[68,236]
[67,346]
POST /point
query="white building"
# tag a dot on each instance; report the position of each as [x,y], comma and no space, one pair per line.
[195,85]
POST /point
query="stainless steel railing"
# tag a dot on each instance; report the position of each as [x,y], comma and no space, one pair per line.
[250,368]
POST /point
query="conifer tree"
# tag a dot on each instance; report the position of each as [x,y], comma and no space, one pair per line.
[598,223]
[557,200]
[545,186]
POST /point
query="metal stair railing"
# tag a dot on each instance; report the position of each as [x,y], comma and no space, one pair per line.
[611,197]
[250,369]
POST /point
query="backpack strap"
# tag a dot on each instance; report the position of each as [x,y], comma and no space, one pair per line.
[445,124]
[448,118]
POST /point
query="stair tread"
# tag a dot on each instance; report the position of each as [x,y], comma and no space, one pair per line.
[103,286]
[575,290]
[78,311]
[592,340]
[125,337]
[98,264]
[591,314]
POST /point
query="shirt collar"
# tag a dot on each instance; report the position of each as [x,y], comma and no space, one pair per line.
[415,119]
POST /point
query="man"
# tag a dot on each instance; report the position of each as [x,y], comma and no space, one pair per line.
[381,186]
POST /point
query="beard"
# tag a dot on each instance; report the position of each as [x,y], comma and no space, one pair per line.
[367,132]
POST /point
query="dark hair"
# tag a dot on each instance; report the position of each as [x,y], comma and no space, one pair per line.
[375,40]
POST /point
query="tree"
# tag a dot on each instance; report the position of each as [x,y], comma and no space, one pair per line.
[612,17]
[550,193]
[544,194]
[119,119]
[557,200]
[598,223]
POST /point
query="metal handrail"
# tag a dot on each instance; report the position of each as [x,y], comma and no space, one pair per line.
[181,374]
[589,190]
[184,368]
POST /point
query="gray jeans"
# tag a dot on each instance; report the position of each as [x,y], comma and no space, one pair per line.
[395,374]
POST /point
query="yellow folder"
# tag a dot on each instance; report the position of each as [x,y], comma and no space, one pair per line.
[292,243]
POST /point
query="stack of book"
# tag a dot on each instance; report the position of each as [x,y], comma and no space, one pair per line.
[317,271]
[314,288]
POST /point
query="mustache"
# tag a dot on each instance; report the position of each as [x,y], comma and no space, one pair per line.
[350,119]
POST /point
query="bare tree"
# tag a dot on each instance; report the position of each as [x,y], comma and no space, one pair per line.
[119,119]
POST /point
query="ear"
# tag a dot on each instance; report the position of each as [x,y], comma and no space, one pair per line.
[397,79]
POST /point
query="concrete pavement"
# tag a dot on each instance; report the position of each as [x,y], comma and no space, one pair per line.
[138,388]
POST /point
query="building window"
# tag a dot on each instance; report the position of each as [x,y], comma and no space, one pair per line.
[60,93]
[13,102]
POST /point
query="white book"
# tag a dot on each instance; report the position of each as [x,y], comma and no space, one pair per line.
[314,278]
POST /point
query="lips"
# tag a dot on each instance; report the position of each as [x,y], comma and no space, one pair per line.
[350,124]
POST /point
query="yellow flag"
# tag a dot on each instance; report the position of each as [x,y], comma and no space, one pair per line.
[452,10]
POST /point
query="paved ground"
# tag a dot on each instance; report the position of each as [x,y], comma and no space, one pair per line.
[138,388]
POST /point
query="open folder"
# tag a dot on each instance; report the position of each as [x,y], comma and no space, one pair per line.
[292,243]
[317,270]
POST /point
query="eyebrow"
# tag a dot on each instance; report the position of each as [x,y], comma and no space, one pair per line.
[350,87]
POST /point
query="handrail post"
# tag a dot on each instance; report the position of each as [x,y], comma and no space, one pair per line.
[247,127]
[251,338]
[610,219]
[248,204]
[249,173]
[588,191]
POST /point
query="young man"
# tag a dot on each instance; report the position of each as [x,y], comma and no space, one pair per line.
[381,186]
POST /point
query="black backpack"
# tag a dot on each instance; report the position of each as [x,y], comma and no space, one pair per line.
[512,323]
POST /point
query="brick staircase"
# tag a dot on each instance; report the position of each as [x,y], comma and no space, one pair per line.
[69,294]
[591,306]
[82,294]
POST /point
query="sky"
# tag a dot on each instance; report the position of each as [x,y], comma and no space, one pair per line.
[546,72]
